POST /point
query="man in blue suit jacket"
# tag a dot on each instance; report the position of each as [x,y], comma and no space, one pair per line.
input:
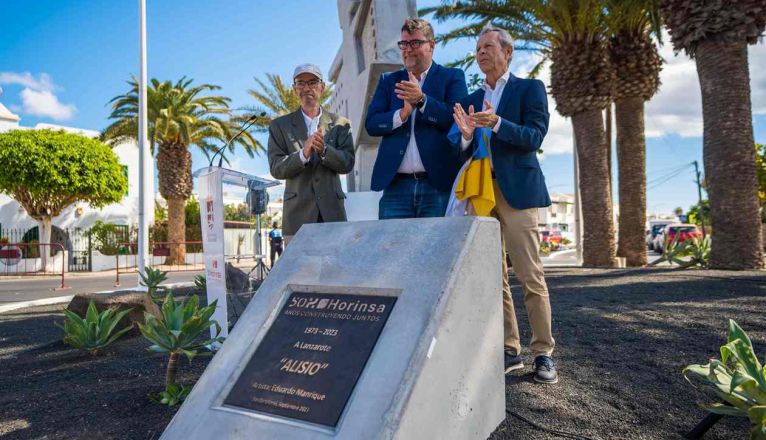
[516,110]
[412,111]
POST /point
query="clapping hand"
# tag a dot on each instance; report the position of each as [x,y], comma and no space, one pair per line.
[464,122]
[486,118]
[315,142]
[319,141]
[409,91]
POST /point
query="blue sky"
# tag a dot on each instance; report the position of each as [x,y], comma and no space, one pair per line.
[62,61]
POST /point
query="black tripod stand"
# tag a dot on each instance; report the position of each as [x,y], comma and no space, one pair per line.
[260,268]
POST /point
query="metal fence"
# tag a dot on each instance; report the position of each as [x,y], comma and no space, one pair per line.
[99,249]
[20,259]
[74,241]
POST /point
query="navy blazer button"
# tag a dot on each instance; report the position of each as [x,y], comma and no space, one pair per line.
[401,152]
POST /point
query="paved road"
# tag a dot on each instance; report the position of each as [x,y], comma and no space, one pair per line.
[28,289]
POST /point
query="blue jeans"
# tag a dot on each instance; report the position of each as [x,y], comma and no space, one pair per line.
[411,198]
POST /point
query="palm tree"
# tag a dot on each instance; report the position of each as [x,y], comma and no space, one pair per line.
[274,99]
[178,116]
[571,34]
[716,34]
[637,66]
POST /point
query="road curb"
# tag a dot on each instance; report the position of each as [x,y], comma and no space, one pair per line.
[66,298]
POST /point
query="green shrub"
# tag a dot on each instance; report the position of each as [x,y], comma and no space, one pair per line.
[111,238]
[95,331]
[738,379]
[179,331]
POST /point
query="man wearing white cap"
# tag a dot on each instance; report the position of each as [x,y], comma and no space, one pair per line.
[309,148]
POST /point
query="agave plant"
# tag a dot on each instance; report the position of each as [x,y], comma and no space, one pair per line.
[200,282]
[179,331]
[152,278]
[95,331]
[738,379]
[172,395]
[672,252]
[698,249]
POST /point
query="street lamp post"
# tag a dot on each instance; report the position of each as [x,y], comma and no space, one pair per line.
[145,168]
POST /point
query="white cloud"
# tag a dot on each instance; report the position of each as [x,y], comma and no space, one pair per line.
[37,96]
[43,83]
[44,103]
[677,106]
[757,59]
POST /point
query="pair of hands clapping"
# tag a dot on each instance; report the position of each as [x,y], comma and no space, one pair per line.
[410,93]
[467,122]
[315,142]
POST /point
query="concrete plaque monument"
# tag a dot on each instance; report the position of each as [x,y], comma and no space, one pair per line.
[364,330]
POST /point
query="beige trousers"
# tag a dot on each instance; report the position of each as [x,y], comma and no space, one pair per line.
[518,228]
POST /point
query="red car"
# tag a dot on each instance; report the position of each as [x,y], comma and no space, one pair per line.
[684,232]
[551,237]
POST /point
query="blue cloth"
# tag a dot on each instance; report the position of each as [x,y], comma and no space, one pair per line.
[523,110]
[410,198]
[480,149]
[443,87]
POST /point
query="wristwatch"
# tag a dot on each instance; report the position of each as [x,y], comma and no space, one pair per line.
[421,103]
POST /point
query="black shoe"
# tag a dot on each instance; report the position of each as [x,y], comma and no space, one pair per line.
[545,370]
[512,362]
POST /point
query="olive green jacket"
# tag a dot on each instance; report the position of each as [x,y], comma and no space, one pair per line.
[310,189]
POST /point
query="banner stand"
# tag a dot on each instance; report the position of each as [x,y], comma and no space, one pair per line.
[210,187]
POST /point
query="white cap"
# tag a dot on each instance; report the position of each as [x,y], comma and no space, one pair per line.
[308,68]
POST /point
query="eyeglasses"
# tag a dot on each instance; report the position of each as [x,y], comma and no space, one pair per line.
[311,83]
[414,44]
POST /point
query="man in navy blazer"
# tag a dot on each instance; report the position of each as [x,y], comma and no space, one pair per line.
[412,110]
[516,110]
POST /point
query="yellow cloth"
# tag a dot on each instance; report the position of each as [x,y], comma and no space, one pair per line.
[475,184]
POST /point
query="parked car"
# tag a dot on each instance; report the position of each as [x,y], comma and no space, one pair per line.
[551,237]
[659,239]
[684,232]
[655,228]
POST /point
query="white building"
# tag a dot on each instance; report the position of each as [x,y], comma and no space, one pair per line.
[560,216]
[371,29]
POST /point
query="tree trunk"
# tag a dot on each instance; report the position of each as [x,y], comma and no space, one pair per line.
[170,374]
[631,163]
[176,231]
[729,155]
[175,178]
[598,225]
[44,238]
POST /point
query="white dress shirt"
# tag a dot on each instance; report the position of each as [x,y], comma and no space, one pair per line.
[411,162]
[493,96]
[312,125]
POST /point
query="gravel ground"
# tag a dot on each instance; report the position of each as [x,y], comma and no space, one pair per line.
[623,337]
